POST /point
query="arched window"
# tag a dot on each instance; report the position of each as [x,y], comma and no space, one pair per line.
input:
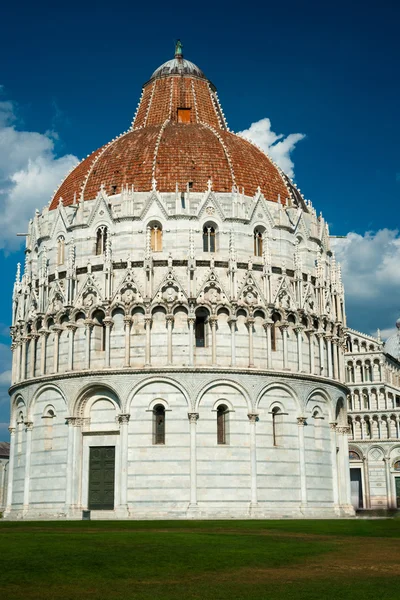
[275,318]
[101,240]
[159,424]
[60,250]
[258,242]
[353,455]
[317,422]
[99,333]
[200,328]
[277,416]
[222,422]
[209,244]
[48,420]
[156,237]
[396,466]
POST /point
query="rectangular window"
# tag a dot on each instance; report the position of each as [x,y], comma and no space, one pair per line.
[183,115]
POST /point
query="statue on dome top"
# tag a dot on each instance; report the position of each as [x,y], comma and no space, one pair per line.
[178,49]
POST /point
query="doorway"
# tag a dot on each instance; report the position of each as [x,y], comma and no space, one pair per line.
[356,488]
[101,477]
[397,489]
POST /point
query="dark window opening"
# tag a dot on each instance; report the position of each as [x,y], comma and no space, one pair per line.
[183,200]
[258,243]
[159,424]
[101,240]
[222,412]
[200,331]
[208,239]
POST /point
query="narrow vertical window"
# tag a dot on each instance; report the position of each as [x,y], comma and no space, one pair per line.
[200,328]
[159,424]
[101,240]
[258,243]
[208,238]
[156,238]
[276,425]
[222,416]
[60,250]
[48,419]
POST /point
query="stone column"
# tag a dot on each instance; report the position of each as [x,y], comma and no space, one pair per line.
[18,355]
[253,417]
[108,323]
[191,322]
[70,421]
[13,363]
[232,323]
[23,358]
[193,461]
[32,362]
[71,334]
[127,326]
[10,470]
[366,483]
[57,332]
[299,334]
[28,448]
[267,327]
[250,323]
[329,353]
[213,323]
[335,483]
[284,328]
[344,467]
[123,420]
[320,337]
[170,321]
[335,357]
[388,483]
[301,421]
[312,357]
[147,325]
[89,327]
[43,343]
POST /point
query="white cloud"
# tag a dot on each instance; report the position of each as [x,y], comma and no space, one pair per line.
[276,145]
[29,172]
[371,275]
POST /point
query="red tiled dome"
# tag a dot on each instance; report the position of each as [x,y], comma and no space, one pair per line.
[179,135]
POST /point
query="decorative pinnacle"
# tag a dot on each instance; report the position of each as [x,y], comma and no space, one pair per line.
[178,49]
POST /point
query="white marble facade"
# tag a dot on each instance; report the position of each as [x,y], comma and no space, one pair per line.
[373,404]
[100,339]
[194,341]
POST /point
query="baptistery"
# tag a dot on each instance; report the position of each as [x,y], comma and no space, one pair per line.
[178,331]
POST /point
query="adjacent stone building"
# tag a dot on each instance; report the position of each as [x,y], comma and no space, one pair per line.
[373,376]
[178,330]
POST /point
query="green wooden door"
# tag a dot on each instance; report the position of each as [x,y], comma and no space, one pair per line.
[397,480]
[101,477]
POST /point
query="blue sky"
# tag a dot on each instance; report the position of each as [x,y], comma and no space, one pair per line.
[71,77]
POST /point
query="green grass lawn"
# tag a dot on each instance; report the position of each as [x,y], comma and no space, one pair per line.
[216,560]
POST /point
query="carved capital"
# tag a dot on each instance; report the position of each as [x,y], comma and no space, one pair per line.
[333,425]
[343,430]
[299,329]
[11,430]
[108,322]
[28,425]
[70,420]
[253,417]
[193,417]
[71,326]
[169,317]
[127,320]
[301,421]
[123,418]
